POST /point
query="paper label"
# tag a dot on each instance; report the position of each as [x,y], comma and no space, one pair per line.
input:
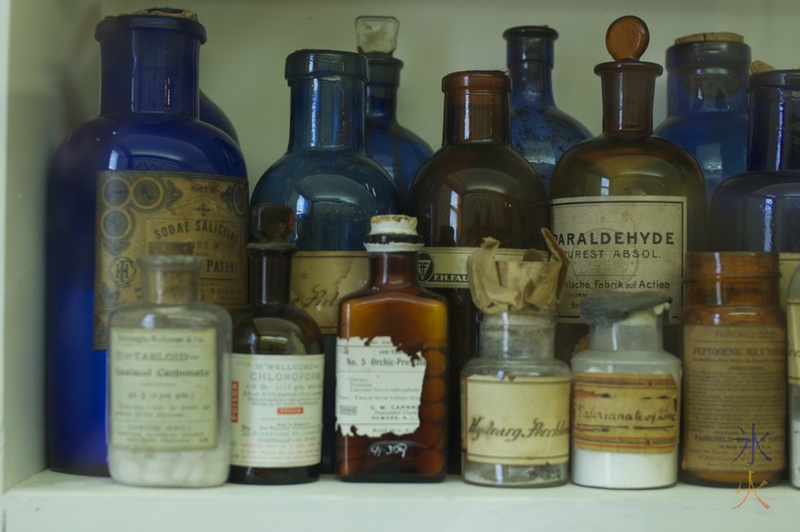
[793,347]
[624,243]
[734,379]
[320,279]
[378,388]
[276,410]
[787,264]
[163,389]
[519,421]
[447,267]
[625,413]
[136,207]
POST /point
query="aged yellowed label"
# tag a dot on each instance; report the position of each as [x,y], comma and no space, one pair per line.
[519,421]
[793,337]
[447,267]
[787,263]
[135,208]
[163,389]
[320,279]
[625,413]
[624,243]
[734,387]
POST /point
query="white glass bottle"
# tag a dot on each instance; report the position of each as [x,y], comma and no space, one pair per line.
[515,404]
[168,381]
[625,395]
[793,330]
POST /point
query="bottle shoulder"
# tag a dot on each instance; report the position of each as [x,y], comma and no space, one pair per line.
[147,316]
[275,329]
[546,122]
[511,368]
[410,295]
[704,128]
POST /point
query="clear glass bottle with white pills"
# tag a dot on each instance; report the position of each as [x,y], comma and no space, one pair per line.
[515,404]
[625,395]
[168,379]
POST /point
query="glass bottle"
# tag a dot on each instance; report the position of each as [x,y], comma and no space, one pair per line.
[793,347]
[735,370]
[626,395]
[211,113]
[277,367]
[399,151]
[539,130]
[625,205]
[757,210]
[474,187]
[333,190]
[515,399]
[169,384]
[147,169]
[391,358]
[707,102]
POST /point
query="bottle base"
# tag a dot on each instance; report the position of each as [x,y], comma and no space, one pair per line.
[274,476]
[515,476]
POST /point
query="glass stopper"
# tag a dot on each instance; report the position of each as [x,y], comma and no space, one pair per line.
[377,35]
[627,38]
[271,223]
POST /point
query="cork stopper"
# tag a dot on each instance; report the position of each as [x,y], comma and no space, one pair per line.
[720,36]
[377,35]
[627,38]
[760,66]
[607,308]
[393,233]
[393,224]
[168,12]
[271,223]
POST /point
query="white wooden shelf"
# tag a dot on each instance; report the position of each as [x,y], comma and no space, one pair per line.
[55,502]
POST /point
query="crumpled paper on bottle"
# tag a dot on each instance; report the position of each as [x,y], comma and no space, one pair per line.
[534,283]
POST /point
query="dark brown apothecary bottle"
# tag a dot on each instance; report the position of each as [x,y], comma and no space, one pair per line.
[277,367]
[625,205]
[474,186]
[391,367]
[734,370]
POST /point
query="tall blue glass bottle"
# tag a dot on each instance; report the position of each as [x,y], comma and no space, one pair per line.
[398,150]
[707,103]
[211,113]
[333,188]
[759,209]
[539,130]
[134,166]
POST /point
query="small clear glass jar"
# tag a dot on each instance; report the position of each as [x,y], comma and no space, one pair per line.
[515,404]
[169,407]
[625,395]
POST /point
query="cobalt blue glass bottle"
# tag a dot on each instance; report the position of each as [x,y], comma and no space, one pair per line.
[211,113]
[334,189]
[539,130]
[399,151]
[758,210]
[146,169]
[707,102]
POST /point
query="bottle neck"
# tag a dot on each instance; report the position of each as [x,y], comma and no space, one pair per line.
[531,83]
[693,88]
[269,275]
[327,112]
[476,115]
[640,331]
[628,90]
[392,270]
[517,335]
[146,71]
[381,102]
[170,287]
[774,129]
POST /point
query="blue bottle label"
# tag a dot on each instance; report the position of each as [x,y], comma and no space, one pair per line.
[135,208]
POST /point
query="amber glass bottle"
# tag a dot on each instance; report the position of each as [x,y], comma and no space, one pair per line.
[626,205]
[277,367]
[734,370]
[475,186]
[391,367]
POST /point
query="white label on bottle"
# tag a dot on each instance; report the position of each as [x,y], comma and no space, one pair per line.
[787,263]
[447,267]
[378,387]
[623,243]
[163,388]
[276,410]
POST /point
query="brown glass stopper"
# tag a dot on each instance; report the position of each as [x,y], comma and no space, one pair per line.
[162,247]
[719,36]
[271,223]
[627,38]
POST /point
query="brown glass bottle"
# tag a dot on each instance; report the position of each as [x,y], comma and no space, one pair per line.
[625,205]
[391,367]
[277,368]
[474,187]
[734,370]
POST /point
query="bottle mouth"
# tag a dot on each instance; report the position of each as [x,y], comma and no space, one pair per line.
[781,79]
[529,43]
[153,22]
[629,65]
[708,53]
[322,63]
[492,80]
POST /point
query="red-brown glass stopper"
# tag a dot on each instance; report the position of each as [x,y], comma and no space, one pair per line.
[627,38]
[271,223]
